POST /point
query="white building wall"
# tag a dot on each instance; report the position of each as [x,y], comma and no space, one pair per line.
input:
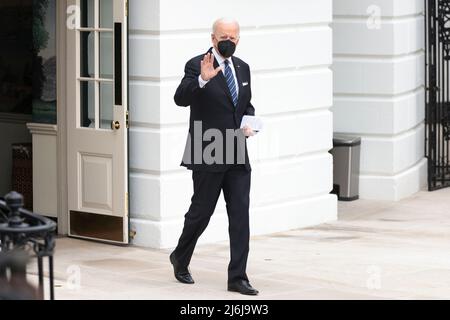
[378,91]
[288,48]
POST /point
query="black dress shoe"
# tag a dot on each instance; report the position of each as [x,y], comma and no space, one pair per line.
[181,274]
[243,287]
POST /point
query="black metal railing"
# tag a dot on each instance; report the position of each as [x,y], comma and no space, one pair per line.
[24,236]
[437,92]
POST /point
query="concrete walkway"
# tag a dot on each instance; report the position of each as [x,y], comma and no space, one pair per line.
[377,250]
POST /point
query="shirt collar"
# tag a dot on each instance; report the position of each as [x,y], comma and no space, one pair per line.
[220,59]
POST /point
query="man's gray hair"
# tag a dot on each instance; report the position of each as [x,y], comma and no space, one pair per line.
[226,21]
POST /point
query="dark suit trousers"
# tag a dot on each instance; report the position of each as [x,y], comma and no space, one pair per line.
[235,183]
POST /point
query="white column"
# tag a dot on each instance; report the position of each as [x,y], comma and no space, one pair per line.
[378,91]
[288,47]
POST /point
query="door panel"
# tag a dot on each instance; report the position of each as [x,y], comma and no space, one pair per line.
[96,183]
[96,120]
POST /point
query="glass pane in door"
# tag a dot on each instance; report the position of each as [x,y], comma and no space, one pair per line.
[106,55]
[87,54]
[87,104]
[87,8]
[106,13]
[106,105]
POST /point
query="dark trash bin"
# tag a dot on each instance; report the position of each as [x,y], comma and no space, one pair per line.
[346,160]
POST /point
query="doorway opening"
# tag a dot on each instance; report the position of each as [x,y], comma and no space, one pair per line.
[437,93]
[28,99]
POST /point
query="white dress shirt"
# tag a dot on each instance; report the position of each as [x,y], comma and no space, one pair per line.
[221,62]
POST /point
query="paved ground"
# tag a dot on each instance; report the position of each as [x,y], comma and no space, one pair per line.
[377,250]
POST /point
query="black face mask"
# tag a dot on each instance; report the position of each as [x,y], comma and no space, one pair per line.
[226,48]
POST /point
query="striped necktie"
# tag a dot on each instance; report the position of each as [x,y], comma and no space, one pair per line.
[230,82]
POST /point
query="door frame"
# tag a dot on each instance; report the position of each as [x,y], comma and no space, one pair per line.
[61,58]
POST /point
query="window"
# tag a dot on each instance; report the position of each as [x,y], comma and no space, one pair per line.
[28,58]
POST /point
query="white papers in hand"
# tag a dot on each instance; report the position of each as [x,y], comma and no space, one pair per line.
[253,122]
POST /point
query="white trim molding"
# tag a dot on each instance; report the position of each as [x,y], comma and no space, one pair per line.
[43,129]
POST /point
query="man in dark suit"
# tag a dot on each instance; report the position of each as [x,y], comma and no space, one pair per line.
[216,86]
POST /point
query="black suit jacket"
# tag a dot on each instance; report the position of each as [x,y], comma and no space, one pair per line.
[213,106]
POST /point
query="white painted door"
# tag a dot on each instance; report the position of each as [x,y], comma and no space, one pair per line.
[97,119]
